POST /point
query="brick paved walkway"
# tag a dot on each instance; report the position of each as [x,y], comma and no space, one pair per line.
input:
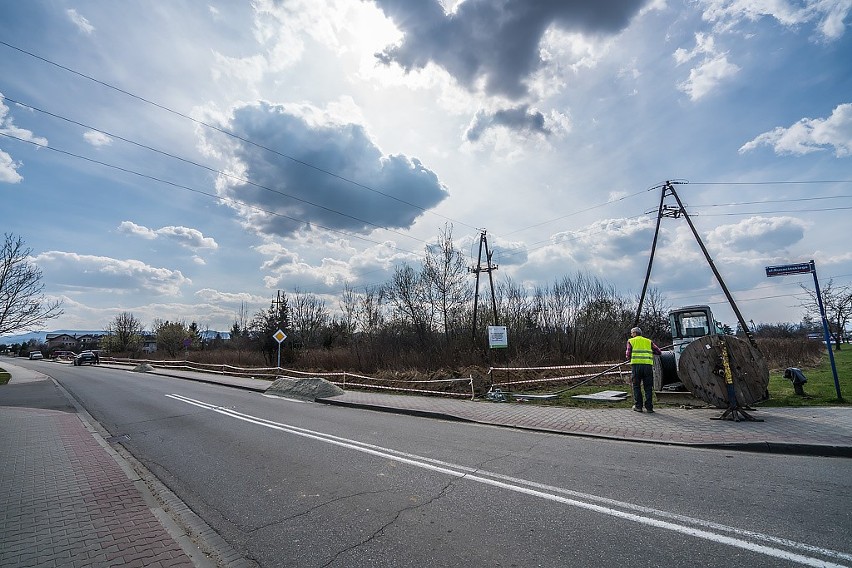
[67,503]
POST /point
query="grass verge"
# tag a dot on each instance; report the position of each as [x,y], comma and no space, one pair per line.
[820,389]
[4,377]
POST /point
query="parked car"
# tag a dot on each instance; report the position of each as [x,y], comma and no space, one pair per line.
[86,357]
[36,355]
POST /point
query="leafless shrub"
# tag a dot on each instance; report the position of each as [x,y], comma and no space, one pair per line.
[783,353]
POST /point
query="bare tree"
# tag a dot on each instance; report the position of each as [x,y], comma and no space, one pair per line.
[308,316]
[370,315]
[654,319]
[349,310]
[409,295]
[22,303]
[583,317]
[837,301]
[518,313]
[124,333]
[445,273]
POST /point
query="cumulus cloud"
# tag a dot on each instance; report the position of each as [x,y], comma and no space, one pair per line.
[192,239]
[609,248]
[712,68]
[612,239]
[186,237]
[8,166]
[493,45]
[285,266]
[343,264]
[520,118]
[77,271]
[7,126]
[828,15]
[324,171]
[82,23]
[810,135]
[758,234]
[9,169]
[229,298]
[131,228]
[97,139]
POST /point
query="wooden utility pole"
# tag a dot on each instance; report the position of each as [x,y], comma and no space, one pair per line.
[489,268]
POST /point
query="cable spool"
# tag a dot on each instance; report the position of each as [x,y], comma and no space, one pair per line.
[702,371]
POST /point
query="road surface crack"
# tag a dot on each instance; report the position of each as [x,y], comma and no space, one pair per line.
[444,490]
[314,508]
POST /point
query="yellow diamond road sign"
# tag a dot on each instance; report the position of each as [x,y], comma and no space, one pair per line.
[279,336]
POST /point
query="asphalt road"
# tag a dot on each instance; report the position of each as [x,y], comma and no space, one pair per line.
[300,484]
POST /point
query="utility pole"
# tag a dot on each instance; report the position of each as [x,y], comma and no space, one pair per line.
[676,212]
[279,336]
[276,304]
[489,268]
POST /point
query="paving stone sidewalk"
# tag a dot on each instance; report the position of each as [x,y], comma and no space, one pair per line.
[66,501]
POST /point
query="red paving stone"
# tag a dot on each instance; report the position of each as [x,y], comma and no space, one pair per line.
[67,502]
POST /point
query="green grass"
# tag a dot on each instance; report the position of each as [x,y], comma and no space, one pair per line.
[4,377]
[820,389]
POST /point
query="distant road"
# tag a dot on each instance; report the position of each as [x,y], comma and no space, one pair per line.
[300,484]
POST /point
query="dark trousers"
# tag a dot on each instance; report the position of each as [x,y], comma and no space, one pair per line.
[643,376]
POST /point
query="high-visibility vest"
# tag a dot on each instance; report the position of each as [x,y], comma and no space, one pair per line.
[640,352]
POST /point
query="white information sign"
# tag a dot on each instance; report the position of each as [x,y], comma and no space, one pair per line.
[498,337]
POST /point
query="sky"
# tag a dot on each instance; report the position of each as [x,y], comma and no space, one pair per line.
[178,160]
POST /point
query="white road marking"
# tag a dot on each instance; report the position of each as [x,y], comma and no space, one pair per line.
[627,511]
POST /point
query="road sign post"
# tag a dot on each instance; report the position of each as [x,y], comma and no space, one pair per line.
[279,336]
[804,268]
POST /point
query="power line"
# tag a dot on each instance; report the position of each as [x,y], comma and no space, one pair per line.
[208,168]
[775,212]
[786,182]
[228,133]
[201,192]
[581,211]
[736,204]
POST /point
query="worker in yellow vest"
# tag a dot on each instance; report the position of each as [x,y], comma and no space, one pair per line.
[640,353]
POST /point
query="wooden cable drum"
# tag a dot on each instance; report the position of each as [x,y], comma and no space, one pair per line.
[701,370]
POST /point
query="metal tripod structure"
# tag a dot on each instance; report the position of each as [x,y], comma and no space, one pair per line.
[675,212]
[734,410]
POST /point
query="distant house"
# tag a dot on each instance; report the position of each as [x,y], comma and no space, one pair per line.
[61,341]
[149,343]
[69,342]
[88,341]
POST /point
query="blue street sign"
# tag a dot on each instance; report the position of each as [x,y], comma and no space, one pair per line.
[804,268]
[785,269]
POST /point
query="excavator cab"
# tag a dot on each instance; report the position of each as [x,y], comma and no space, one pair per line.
[689,323]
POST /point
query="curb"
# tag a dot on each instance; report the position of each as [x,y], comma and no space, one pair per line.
[777,448]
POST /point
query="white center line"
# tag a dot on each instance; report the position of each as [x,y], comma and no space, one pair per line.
[626,511]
